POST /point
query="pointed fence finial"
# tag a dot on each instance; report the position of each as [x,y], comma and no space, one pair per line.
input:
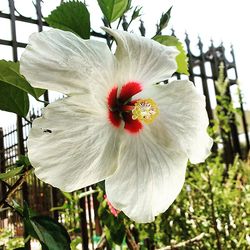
[124,23]
[200,44]
[212,42]
[142,28]
[172,32]
[187,38]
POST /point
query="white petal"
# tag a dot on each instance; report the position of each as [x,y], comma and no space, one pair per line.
[150,175]
[72,146]
[184,114]
[142,59]
[61,61]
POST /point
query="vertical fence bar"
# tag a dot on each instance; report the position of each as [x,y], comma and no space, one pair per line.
[243,115]
[205,89]
[204,81]
[2,168]
[21,149]
[232,122]
[83,224]
[190,59]
[88,199]
[98,227]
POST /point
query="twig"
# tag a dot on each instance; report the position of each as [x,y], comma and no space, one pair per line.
[217,234]
[9,206]
[102,242]
[14,188]
[97,34]
[130,241]
[184,243]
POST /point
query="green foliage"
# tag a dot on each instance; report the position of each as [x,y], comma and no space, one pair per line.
[11,173]
[13,99]
[43,228]
[14,89]
[209,204]
[10,74]
[16,169]
[71,16]
[181,59]
[9,242]
[225,113]
[114,227]
[113,9]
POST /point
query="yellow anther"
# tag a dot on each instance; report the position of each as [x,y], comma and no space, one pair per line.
[145,110]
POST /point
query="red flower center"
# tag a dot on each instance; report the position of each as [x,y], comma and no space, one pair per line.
[120,107]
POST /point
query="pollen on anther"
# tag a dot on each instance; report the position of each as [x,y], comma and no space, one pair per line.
[145,110]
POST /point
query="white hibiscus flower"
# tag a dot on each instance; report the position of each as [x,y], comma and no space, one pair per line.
[115,123]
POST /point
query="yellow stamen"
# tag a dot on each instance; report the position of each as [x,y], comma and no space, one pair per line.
[145,110]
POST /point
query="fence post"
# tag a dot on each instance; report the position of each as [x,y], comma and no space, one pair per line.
[243,115]
[2,168]
[83,224]
[19,119]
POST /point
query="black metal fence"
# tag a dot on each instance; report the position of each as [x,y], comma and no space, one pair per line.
[204,71]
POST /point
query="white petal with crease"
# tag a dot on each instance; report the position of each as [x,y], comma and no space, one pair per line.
[184,114]
[71,146]
[150,175]
[61,61]
[142,59]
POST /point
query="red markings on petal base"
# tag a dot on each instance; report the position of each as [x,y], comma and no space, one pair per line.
[120,107]
[129,90]
[115,118]
[132,126]
[112,97]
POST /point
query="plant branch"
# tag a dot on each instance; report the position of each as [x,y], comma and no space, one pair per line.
[14,188]
[184,243]
[213,214]
[12,208]
[130,241]
[102,242]
[97,34]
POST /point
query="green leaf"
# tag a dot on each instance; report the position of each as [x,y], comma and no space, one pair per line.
[13,99]
[9,73]
[23,160]
[11,173]
[68,196]
[117,233]
[71,16]
[129,6]
[113,9]
[17,207]
[50,233]
[181,59]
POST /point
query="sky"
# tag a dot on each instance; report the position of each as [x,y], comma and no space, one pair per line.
[224,20]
